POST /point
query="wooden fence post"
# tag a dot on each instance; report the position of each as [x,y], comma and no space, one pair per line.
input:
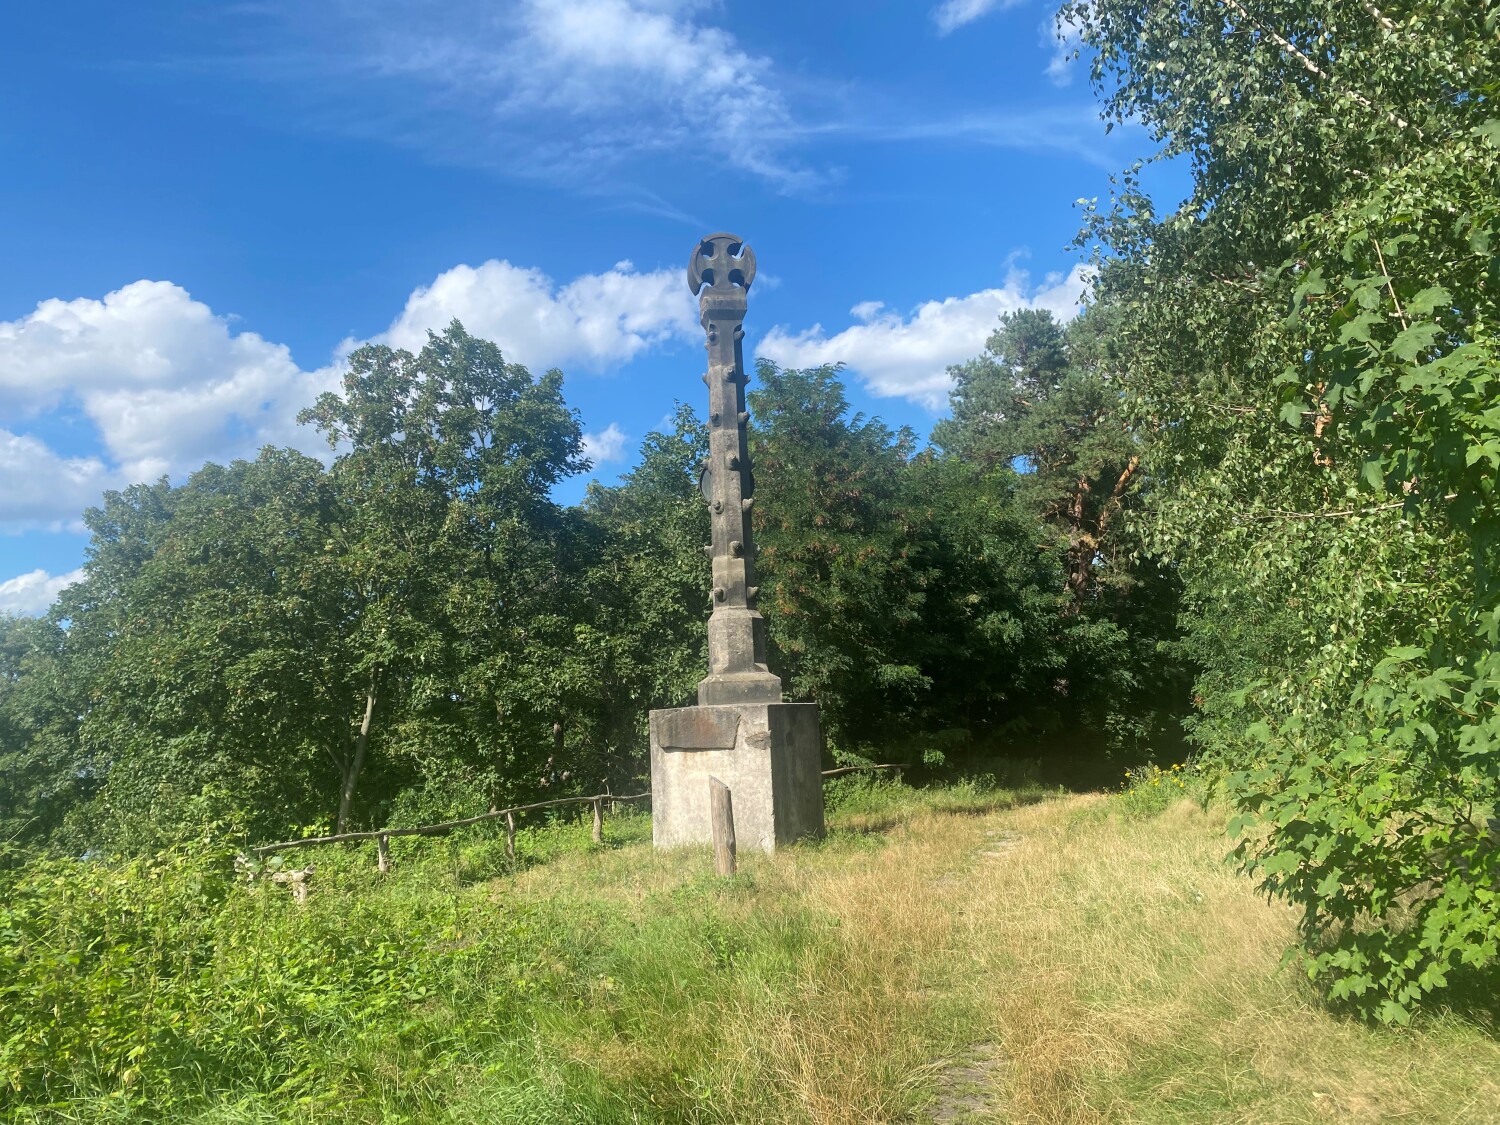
[510,836]
[383,853]
[721,816]
[598,820]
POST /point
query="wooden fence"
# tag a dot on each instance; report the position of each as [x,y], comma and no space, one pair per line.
[382,836]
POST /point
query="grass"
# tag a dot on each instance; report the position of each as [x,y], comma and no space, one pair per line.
[960,954]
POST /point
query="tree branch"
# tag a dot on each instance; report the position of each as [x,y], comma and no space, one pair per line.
[1378,16]
[1281,513]
[1314,69]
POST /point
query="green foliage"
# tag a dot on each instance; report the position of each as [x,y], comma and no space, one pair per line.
[1045,400]
[41,774]
[276,642]
[1150,789]
[153,988]
[1309,342]
[913,596]
[159,981]
[646,596]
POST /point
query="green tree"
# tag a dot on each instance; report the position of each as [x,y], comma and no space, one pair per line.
[842,577]
[647,597]
[908,595]
[460,568]
[1045,397]
[278,642]
[42,774]
[1309,341]
[202,640]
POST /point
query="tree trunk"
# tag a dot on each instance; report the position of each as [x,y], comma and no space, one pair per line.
[351,774]
[1080,550]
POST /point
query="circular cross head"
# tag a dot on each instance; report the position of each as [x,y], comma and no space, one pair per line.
[720,261]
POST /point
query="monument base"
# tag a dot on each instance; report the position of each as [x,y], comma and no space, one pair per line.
[770,755]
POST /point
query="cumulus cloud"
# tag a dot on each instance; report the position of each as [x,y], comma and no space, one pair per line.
[909,356]
[38,488]
[31,595]
[596,321]
[953,14]
[163,378]
[168,384]
[607,445]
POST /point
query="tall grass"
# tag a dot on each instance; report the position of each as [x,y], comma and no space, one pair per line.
[1097,948]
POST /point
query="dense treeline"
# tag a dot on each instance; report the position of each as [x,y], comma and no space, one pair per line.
[417,629]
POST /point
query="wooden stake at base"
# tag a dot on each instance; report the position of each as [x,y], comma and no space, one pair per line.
[721,816]
[383,854]
[598,820]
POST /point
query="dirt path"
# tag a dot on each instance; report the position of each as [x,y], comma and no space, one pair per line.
[1082,967]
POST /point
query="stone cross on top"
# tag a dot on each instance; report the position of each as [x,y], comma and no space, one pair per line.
[719,274]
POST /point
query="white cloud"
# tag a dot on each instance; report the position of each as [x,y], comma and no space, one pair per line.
[908,357]
[559,88]
[596,321]
[953,14]
[40,489]
[607,445]
[31,595]
[168,384]
[159,374]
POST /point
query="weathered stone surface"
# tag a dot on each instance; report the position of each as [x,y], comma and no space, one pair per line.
[698,728]
[767,752]
[774,771]
[720,273]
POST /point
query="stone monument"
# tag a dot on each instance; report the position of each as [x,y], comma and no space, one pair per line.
[767,752]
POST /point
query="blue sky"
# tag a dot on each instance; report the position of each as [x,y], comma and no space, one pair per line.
[204,206]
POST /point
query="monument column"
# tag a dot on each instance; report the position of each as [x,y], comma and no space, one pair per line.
[767,752]
[719,274]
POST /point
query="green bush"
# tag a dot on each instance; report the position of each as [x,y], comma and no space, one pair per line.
[158,980]
[1150,790]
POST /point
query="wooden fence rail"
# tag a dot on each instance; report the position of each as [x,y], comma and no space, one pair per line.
[448,825]
[856,769]
[383,835]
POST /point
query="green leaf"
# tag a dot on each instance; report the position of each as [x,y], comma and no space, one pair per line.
[1428,300]
[1413,341]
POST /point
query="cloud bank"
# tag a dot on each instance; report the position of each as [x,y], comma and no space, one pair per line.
[167,383]
[909,356]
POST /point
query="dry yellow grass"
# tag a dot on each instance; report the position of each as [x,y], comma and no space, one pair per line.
[1103,968]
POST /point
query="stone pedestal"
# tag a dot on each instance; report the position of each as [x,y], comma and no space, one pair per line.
[769,754]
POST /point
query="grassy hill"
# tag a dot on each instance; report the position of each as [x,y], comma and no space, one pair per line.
[951,955]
